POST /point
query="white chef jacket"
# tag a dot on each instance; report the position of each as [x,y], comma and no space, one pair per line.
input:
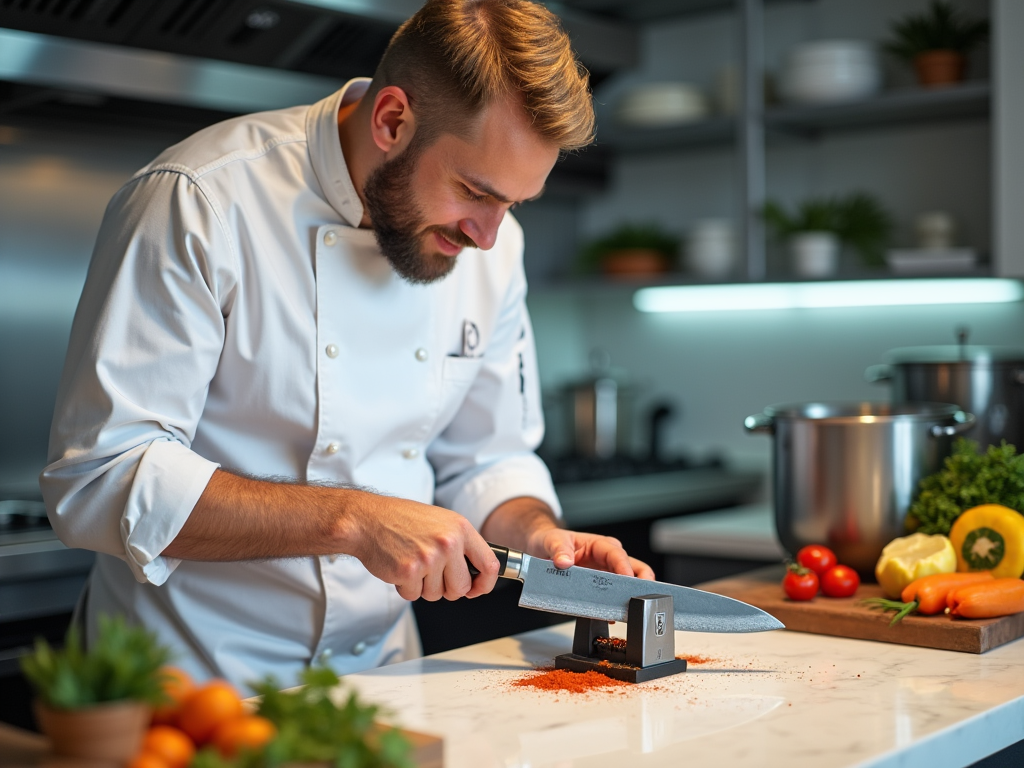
[235,316]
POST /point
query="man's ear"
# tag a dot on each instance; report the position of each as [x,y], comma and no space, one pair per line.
[392,123]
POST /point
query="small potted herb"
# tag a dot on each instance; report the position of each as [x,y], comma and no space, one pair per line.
[97,703]
[819,227]
[937,42]
[632,250]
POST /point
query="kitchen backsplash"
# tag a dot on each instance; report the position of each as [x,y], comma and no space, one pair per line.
[721,367]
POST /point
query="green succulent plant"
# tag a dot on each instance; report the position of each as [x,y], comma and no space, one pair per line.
[122,665]
[858,220]
[940,28]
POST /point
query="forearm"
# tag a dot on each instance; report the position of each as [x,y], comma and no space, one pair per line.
[513,523]
[239,518]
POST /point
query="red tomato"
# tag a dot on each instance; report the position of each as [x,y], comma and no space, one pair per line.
[800,583]
[816,557]
[840,581]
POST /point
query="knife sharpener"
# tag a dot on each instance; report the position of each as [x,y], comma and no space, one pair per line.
[650,650]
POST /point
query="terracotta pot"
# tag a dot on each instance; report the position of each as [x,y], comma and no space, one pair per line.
[111,731]
[634,262]
[936,68]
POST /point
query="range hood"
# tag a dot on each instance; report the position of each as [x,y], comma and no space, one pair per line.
[334,39]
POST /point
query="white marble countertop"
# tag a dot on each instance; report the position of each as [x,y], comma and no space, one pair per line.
[745,532]
[776,699]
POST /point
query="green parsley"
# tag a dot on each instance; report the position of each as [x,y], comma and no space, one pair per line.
[967,479]
[311,728]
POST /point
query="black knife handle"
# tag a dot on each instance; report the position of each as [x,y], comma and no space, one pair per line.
[500,552]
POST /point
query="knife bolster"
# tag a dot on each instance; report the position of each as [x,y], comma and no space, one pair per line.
[649,651]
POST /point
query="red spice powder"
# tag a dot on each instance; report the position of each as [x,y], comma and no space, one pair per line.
[548,679]
[698,659]
[610,643]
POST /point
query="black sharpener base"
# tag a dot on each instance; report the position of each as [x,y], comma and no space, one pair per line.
[647,654]
[625,672]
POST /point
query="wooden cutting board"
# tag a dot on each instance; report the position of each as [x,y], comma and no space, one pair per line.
[23,749]
[845,617]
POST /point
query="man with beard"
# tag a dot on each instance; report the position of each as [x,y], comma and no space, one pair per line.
[301,387]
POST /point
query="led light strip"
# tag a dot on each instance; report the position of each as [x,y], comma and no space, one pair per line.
[841,293]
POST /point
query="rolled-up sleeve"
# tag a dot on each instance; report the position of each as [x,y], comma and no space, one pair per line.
[485,456]
[144,346]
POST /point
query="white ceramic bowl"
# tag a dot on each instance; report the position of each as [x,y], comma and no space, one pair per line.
[829,71]
[662,104]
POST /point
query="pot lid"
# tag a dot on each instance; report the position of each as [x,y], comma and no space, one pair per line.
[863,411]
[956,353]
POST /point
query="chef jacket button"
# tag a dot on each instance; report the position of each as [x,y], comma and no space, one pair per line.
[333,447]
[358,648]
[332,350]
[330,238]
[410,453]
[421,355]
[325,656]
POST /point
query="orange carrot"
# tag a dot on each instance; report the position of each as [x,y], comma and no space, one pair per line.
[999,597]
[928,594]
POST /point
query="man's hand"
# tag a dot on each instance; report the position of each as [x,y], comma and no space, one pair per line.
[422,550]
[568,548]
[528,524]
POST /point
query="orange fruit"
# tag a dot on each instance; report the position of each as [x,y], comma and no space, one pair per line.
[177,685]
[147,760]
[246,732]
[206,708]
[172,745]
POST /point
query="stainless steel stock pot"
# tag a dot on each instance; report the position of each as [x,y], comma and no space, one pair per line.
[845,474]
[987,381]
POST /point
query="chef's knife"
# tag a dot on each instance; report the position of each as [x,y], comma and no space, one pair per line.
[578,591]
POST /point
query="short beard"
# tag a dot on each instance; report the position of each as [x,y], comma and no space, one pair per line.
[398,222]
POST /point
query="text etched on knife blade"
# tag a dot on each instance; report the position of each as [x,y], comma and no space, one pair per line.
[557,572]
[601,582]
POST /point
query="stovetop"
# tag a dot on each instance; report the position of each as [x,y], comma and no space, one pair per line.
[578,469]
[23,519]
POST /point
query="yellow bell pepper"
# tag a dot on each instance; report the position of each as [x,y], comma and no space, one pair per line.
[989,538]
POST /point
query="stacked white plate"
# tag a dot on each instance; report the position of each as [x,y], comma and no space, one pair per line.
[829,71]
[662,104]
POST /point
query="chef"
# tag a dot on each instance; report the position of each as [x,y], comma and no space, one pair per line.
[301,387]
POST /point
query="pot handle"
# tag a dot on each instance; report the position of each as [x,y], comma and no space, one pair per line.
[965,421]
[760,422]
[878,373]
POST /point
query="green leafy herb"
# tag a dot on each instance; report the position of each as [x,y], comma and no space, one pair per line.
[858,220]
[642,236]
[967,479]
[123,665]
[311,728]
[941,28]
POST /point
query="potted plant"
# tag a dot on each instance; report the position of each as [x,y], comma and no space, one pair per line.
[936,43]
[97,703]
[819,227]
[632,250]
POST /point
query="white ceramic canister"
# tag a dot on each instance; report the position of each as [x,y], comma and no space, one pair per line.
[711,248]
[814,254]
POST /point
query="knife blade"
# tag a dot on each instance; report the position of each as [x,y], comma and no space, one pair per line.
[592,594]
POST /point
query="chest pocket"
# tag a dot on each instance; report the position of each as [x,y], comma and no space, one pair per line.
[457,376]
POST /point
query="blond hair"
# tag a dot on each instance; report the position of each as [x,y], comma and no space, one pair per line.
[454,57]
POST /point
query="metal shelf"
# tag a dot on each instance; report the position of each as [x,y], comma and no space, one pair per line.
[702,133]
[903,107]
[917,105]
